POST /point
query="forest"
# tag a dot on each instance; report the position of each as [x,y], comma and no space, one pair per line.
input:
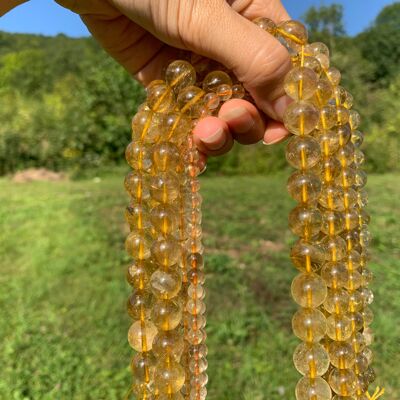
[66,105]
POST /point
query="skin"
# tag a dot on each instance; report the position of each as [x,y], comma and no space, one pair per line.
[143,35]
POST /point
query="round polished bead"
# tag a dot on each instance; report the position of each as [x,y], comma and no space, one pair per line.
[337,301]
[164,218]
[361,179]
[327,118]
[311,359]
[357,138]
[139,304]
[323,93]
[334,76]
[166,251]
[342,355]
[195,306]
[307,256]
[141,335]
[359,157]
[367,315]
[316,389]
[344,134]
[368,354]
[350,198]
[266,24]
[348,103]
[168,344]
[303,152]
[329,169]
[166,315]
[180,74]
[301,83]
[304,187]
[361,364]
[305,221]
[354,119]
[224,92]
[354,280]
[166,156]
[160,97]
[143,367]
[137,274]
[164,187]
[357,341]
[335,248]
[214,79]
[141,123]
[351,219]
[138,245]
[335,274]
[294,33]
[301,118]
[309,325]
[136,184]
[367,295]
[356,301]
[313,64]
[165,284]
[332,197]
[190,101]
[211,101]
[195,336]
[138,156]
[352,260]
[338,327]
[137,216]
[317,48]
[174,127]
[329,142]
[367,276]
[238,91]
[346,178]
[332,222]
[309,290]
[169,376]
[199,364]
[343,381]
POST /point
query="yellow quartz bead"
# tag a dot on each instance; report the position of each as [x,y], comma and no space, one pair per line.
[215,79]
[309,290]
[342,355]
[316,389]
[166,315]
[169,376]
[141,335]
[309,325]
[303,152]
[343,381]
[301,118]
[168,344]
[338,327]
[180,74]
[301,83]
[311,359]
[165,284]
[304,187]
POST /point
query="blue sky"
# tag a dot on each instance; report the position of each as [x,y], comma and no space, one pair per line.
[46,17]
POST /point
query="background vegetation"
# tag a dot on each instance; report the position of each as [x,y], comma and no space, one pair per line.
[62,316]
[65,105]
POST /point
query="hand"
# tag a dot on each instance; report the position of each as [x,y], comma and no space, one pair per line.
[143,35]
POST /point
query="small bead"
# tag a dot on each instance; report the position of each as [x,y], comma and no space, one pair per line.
[357,138]
[214,79]
[354,119]
[317,48]
[337,301]
[224,92]
[143,367]
[211,101]
[309,290]
[323,93]
[329,142]
[309,325]
[311,359]
[141,335]
[238,91]
[190,101]
[316,389]
[333,75]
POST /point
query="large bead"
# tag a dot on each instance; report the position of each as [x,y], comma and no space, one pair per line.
[304,187]
[166,284]
[309,290]
[342,355]
[168,344]
[180,74]
[164,187]
[301,83]
[343,381]
[137,216]
[138,156]
[190,101]
[165,218]
[160,97]
[166,315]
[137,245]
[215,79]
[303,152]
[338,327]
[301,118]
[311,359]
[307,256]
[166,156]
[141,335]
[316,389]
[337,301]
[136,184]
[305,221]
[309,325]
[169,376]
[139,304]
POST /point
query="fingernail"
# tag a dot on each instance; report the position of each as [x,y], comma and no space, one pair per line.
[280,105]
[274,141]
[203,169]
[241,118]
[216,140]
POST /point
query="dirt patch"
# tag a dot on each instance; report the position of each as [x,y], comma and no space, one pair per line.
[38,174]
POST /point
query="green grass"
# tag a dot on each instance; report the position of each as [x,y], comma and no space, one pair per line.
[62,317]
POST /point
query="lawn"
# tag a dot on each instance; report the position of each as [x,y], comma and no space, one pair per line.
[62,318]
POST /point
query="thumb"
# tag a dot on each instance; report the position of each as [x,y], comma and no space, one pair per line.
[257,58]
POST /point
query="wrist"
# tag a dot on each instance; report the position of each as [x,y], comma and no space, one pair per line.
[8,5]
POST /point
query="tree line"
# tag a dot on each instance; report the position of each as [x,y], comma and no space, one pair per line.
[65,105]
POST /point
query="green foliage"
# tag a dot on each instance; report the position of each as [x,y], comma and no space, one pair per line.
[63,322]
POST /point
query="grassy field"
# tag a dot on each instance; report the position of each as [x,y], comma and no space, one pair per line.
[62,316]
